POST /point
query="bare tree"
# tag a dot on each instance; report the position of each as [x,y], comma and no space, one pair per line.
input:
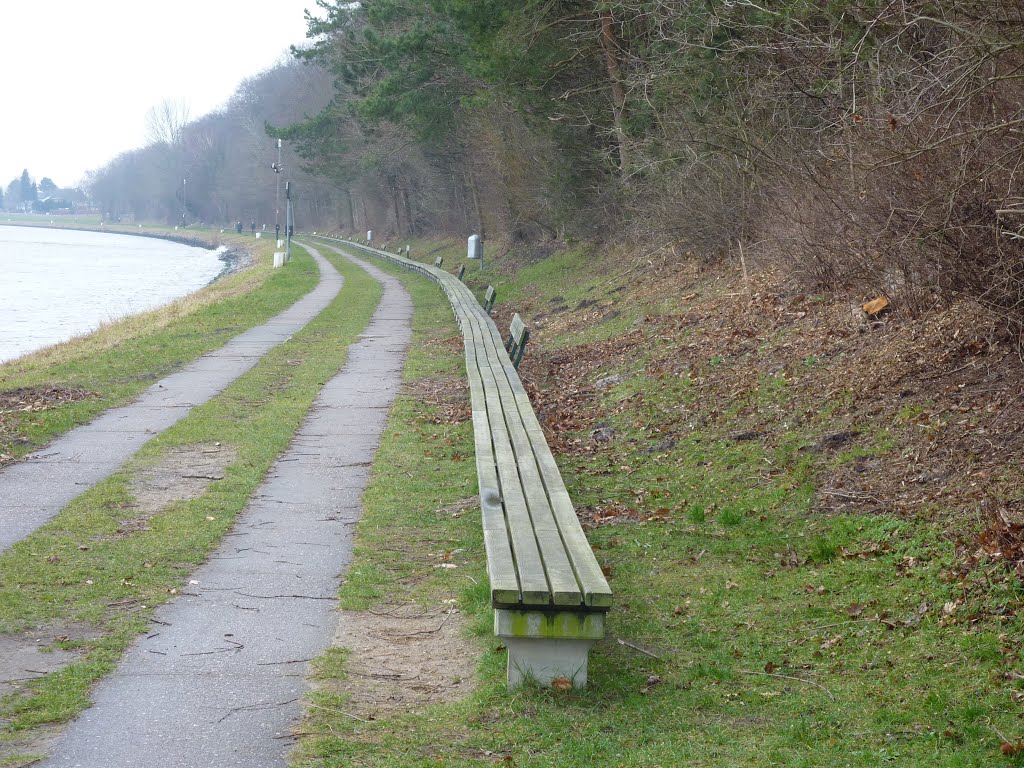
[166,121]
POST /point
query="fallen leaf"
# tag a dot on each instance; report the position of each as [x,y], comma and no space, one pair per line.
[876,306]
[831,642]
[561,684]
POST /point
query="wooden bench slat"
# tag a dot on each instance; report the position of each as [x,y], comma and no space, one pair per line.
[565,589]
[586,569]
[501,569]
[529,563]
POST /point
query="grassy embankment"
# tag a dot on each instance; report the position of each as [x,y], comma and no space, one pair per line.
[49,392]
[759,620]
[92,577]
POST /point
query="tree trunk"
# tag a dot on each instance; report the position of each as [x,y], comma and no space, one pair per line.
[610,46]
[398,214]
[471,183]
[409,220]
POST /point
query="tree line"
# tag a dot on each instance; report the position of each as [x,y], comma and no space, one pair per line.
[871,145]
[216,168]
[864,145]
[24,194]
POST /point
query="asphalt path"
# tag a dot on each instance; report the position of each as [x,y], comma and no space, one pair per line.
[220,679]
[35,489]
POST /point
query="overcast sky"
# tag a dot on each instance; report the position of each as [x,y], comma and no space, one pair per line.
[79,77]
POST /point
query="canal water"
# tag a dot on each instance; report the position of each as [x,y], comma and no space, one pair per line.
[56,284]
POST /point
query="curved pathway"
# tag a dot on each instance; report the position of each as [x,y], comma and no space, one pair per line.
[219,682]
[37,488]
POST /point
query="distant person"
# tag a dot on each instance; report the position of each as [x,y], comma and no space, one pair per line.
[238,227]
[277,231]
[252,226]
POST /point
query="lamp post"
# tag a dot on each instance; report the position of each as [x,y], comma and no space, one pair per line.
[184,200]
[277,198]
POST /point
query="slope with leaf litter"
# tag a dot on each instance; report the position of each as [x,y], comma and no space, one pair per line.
[921,418]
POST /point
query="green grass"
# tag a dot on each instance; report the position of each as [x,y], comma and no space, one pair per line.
[85,569]
[771,635]
[120,361]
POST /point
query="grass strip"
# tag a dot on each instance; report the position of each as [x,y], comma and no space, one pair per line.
[97,574]
[120,360]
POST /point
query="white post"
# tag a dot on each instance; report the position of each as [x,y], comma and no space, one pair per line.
[475,249]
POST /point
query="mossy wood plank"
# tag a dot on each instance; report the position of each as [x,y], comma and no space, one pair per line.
[532,579]
[565,590]
[588,571]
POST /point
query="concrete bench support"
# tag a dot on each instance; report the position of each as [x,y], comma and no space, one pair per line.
[544,646]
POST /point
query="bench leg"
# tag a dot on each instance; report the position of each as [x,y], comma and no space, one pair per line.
[545,661]
[545,647]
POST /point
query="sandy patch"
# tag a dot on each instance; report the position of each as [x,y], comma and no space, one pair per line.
[22,659]
[403,659]
[183,473]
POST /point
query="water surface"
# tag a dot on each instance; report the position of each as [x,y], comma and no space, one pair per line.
[56,284]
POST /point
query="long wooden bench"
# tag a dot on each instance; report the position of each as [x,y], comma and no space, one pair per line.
[549,594]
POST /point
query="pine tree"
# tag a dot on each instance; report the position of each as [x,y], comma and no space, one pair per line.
[27,188]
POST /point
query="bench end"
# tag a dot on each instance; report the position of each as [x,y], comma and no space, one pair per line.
[548,646]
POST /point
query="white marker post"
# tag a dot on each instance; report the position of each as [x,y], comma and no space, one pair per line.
[475,249]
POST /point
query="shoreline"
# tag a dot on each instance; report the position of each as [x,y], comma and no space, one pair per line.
[236,258]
